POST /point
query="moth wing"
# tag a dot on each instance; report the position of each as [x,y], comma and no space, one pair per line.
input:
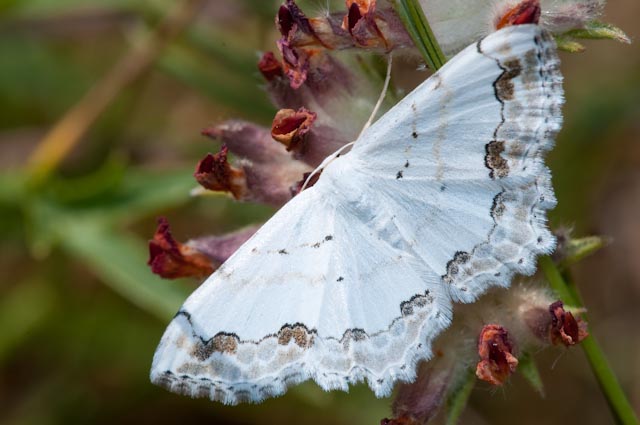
[443,197]
[462,160]
[320,292]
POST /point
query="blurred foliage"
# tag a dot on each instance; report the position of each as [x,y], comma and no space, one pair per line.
[80,311]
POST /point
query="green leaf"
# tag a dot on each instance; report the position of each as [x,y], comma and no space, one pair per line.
[567,44]
[121,262]
[416,24]
[458,396]
[579,248]
[527,367]
[600,30]
[22,309]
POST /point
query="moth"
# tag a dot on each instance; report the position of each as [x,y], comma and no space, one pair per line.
[442,198]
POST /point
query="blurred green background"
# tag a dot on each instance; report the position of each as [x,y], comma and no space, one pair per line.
[80,312]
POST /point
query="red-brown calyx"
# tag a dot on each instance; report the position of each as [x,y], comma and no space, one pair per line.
[215,173]
[290,126]
[495,349]
[565,328]
[525,12]
[171,259]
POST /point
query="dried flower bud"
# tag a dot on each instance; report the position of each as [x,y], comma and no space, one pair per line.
[565,329]
[215,173]
[525,12]
[293,24]
[171,259]
[554,325]
[361,24]
[330,91]
[270,67]
[364,26]
[290,126]
[495,349]
[268,172]
[457,23]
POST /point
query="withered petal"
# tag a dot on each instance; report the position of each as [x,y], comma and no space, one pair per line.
[565,329]
[495,349]
[268,171]
[270,67]
[215,173]
[525,12]
[290,126]
[290,15]
[171,259]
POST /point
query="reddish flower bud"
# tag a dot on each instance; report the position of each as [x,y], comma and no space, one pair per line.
[495,349]
[291,18]
[269,171]
[296,63]
[215,173]
[171,259]
[364,26]
[289,126]
[554,325]
[525,12]
[361,23]
[565,329]
[270,67]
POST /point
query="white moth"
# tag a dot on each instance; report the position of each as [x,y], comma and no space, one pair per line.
[439,200]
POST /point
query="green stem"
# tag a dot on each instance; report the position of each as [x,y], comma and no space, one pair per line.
[416,24]
[618,403]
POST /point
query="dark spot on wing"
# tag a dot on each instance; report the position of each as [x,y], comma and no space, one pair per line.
[494,160]
[504,85]
[298,333]
[399,175]
[454,265]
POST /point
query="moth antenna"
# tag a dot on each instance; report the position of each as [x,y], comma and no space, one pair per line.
[376,108]
[385,88]
[324,163]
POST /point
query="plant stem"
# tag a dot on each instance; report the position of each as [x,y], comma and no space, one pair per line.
[618,403]
[416,24]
